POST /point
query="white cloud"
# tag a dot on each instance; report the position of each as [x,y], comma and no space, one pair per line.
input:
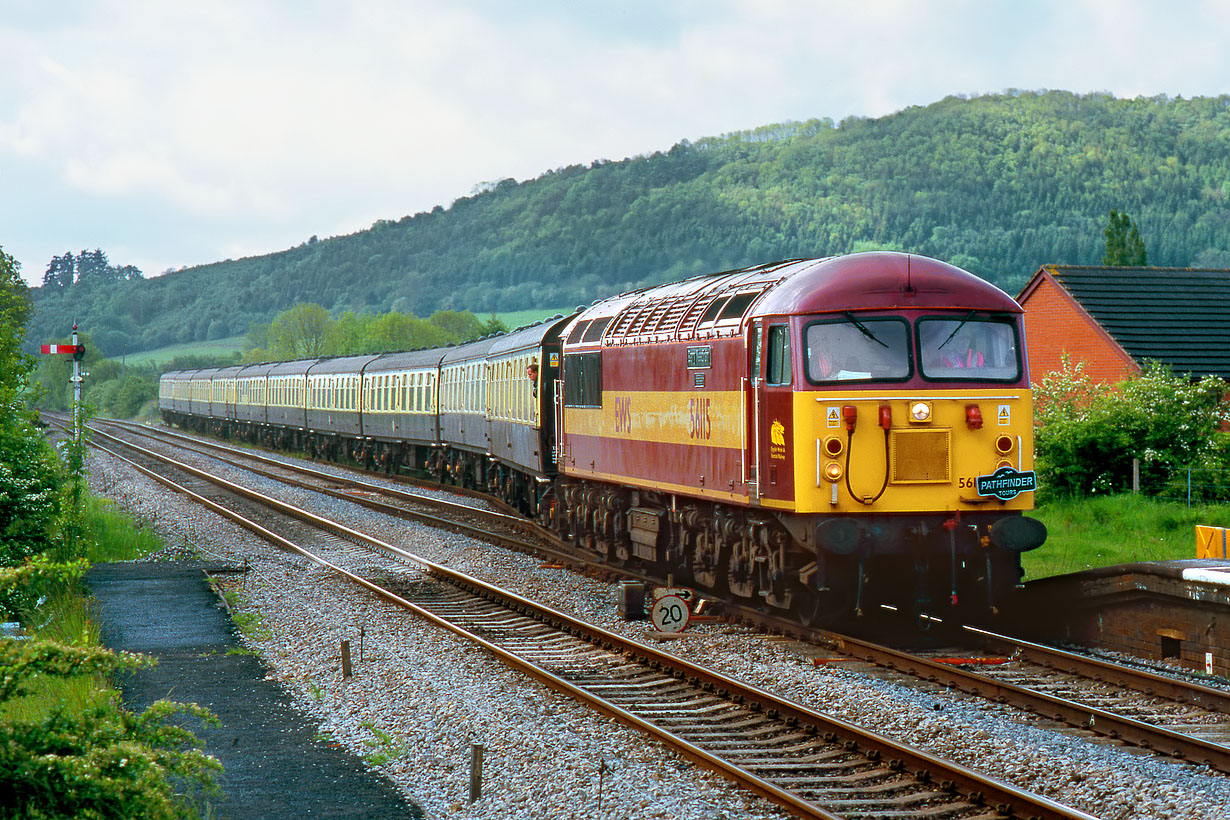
[193,131]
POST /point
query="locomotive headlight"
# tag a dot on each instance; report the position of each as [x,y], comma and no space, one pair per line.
[920,411]
[1003,445]
[832,471]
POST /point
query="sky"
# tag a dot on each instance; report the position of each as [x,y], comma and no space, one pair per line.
[171,133]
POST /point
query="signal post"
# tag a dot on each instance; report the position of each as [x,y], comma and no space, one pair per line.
[77,351]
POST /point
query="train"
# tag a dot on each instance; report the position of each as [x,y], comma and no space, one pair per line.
[828,438]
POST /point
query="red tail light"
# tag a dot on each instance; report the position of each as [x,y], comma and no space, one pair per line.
[973,416]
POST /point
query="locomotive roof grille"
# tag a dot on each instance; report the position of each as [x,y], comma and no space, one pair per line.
[577,332]
[594,332]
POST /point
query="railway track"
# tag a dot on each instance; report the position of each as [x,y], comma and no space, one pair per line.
[1169,716]
[815,765]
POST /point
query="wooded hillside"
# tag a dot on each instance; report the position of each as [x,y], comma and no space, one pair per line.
[996,184]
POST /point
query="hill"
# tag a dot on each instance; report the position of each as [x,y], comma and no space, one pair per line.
[998,184]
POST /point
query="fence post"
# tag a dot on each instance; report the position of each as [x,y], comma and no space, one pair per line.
[476,772]
[1189,488]
[1135,476]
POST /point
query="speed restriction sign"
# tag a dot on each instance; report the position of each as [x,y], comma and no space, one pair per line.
[670,613]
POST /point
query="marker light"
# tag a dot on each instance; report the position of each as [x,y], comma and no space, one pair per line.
[1003,445]
[833,446]
[920,411]
[973,416]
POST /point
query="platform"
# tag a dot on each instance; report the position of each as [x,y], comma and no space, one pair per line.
[1177,610]
[275,763]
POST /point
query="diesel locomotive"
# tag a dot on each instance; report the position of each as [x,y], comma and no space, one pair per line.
[818,436]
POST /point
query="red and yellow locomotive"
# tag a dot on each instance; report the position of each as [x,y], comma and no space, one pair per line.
[825,436]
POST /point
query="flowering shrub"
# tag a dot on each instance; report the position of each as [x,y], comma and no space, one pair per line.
[100,762]
[1087,435]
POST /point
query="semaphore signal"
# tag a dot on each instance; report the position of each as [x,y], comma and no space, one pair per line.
[77,351]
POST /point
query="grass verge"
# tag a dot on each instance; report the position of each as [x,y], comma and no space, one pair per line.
[68,615]
[1116,529]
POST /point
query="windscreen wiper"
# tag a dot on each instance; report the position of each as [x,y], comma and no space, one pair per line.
[957,329]
[862,329]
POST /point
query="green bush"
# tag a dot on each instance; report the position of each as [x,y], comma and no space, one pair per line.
[66,756]
[98,760]
[1088,435]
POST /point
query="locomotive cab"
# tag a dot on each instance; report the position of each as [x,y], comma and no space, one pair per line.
[893,436]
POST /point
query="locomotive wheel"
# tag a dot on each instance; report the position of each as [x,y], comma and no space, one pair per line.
[815,608]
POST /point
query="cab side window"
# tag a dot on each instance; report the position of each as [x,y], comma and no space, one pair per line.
[778,365]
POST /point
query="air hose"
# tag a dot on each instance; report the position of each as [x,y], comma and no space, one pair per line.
[849,451]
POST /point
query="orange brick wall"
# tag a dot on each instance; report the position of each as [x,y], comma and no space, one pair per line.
[1055,324]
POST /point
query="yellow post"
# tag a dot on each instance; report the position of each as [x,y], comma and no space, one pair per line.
[1211,542]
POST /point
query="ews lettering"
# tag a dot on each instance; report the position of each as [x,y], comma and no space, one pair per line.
[623,415]
[699,424]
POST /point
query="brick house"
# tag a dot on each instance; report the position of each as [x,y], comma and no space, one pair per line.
[1114,319]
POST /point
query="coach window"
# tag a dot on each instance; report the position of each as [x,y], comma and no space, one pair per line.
[778,366]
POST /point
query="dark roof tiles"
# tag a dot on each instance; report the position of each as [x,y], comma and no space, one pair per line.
[1178,316]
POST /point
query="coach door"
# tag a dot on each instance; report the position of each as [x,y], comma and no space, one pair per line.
[772,409]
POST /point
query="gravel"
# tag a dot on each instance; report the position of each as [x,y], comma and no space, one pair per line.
[419,698]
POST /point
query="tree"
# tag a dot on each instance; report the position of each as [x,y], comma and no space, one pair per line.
[1124,247]
[15,310]
[93,267]
[60,271]
[400,331]
[30,478]
[300,333]
[459,326]
[1087,436]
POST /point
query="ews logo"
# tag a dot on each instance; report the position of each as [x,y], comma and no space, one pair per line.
[623,415]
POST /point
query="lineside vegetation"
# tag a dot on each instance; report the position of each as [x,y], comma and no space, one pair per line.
[67,747]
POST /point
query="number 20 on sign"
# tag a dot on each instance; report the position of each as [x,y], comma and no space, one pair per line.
[670,613]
